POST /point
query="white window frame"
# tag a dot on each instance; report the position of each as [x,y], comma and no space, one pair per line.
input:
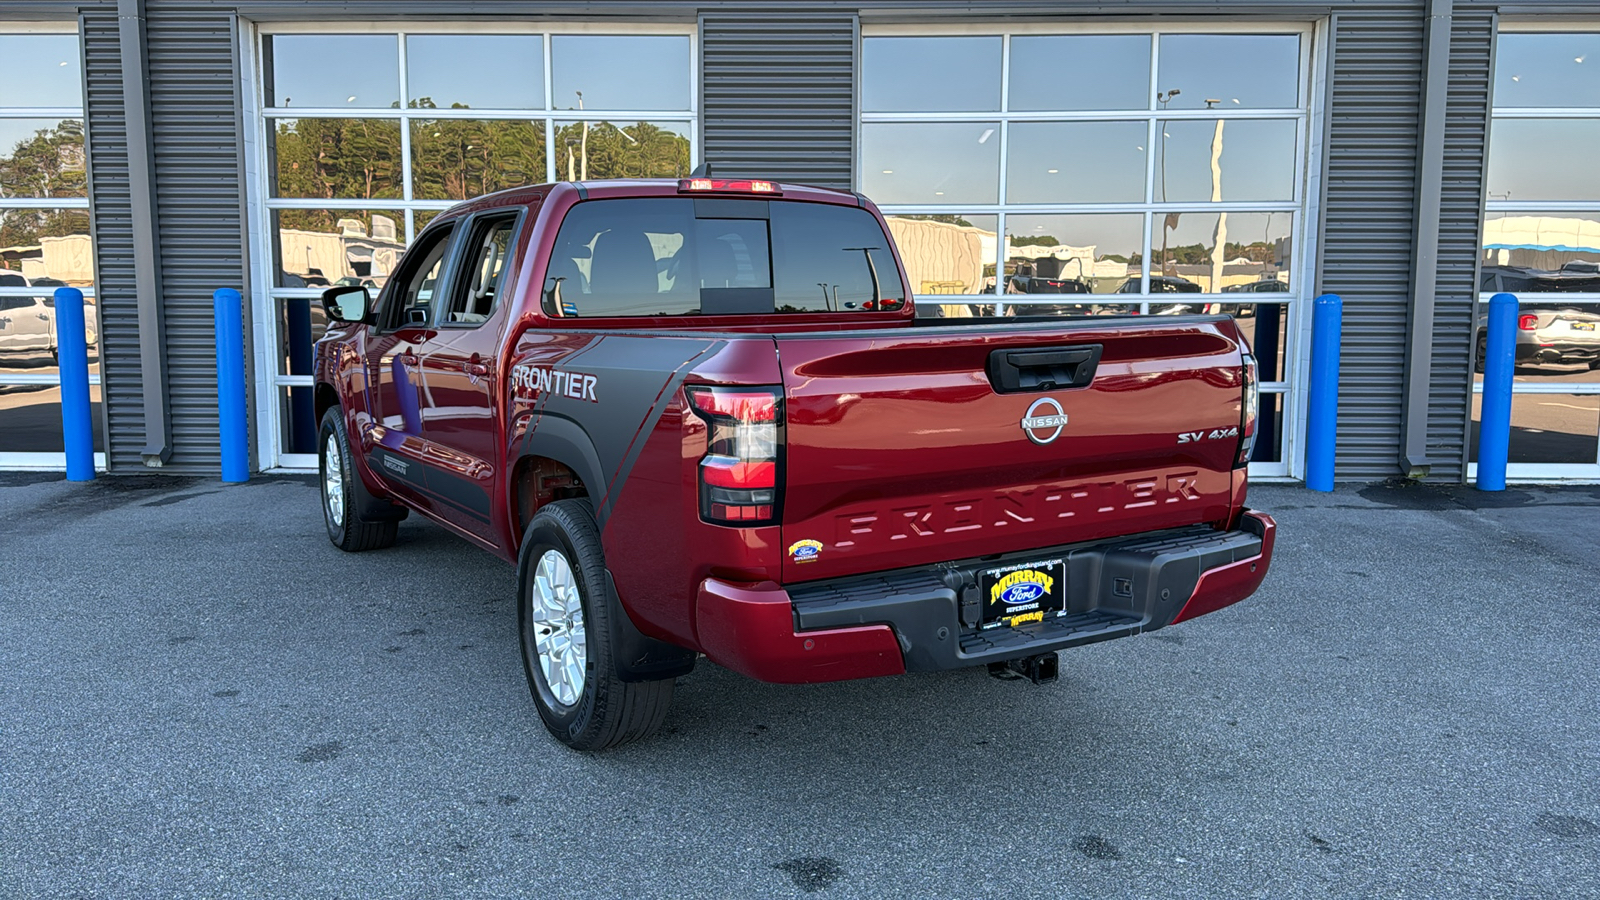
[35,461]
[1536,473]
[1305,205]
[268,381]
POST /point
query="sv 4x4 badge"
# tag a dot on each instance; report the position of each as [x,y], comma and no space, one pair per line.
[1189,437]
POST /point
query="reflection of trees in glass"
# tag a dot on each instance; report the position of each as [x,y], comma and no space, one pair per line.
[641,150]
[24,227]
[1198,254]
[343,158]
[49,164]
[938,217]
[453,159]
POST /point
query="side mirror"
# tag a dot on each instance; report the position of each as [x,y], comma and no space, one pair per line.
[348,303]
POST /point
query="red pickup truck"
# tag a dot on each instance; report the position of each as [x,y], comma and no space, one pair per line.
[701,417]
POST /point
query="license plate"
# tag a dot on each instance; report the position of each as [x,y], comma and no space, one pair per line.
[1018,594]
[1581,326]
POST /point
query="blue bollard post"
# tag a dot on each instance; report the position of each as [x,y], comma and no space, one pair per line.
[229,319]
[72,346]
[1327,320]
[1499,361]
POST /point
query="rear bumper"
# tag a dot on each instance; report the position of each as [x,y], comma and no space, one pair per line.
[924,619]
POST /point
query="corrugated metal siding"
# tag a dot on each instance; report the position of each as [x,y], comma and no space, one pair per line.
[778,95]
[1460,216]
[1367,209]
[113,232]
[193,84]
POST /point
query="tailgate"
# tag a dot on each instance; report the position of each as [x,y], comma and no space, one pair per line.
[923,445]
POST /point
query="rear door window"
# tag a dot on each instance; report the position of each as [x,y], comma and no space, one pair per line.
[718,256]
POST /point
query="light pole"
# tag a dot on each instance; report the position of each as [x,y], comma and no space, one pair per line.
[1166,225]
[584,170]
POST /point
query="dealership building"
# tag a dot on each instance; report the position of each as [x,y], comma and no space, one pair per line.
[1411,157]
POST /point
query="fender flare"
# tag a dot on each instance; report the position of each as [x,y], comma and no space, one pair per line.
[637,656]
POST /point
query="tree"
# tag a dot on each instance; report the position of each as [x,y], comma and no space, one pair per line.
[49,164]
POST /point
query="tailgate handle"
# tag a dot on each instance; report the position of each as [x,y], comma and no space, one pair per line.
[1043,369]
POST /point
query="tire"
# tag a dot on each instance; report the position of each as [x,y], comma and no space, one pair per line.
[1483,351]
[343,495]
[574,683]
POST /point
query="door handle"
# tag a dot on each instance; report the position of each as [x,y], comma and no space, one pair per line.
[407,359]
[475,368]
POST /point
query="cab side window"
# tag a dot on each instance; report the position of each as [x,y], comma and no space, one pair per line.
[416,291]
[483,271]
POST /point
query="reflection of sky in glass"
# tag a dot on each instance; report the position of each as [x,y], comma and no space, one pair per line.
[1080,71]
[930,74]
[341,71]
[1075,162]
[40,70]
[956,162]
[1257,159]
[1544,159]
[620,72]
[1240,71]
[1118,234]
[1547,70]
[443,68]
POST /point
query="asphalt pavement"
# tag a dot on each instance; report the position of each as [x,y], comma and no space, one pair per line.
[203,698]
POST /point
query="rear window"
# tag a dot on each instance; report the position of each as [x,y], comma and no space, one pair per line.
[677,256]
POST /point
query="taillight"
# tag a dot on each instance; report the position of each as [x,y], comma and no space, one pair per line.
[1528,322]
[1250,409]
[739,473]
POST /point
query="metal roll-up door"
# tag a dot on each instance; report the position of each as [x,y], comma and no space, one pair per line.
[111,211]
[778,95]
[1367,216]
[199,200]
[1460,216]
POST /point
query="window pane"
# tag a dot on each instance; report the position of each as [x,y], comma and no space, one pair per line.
[1087,254]
[586,150]
[453,159]
[1080,71]
[830,258]
[1235,71]
[321,247]
[1075,162]
[1546,70]
[47,248]
[297,419]
[301,323]
[620,72]
[947,254]
[1254,257]
[480,283]
[355,159]
[1544,159]
[930,74]
[333,71]
[1266,327]
[1269,430]
[1255,158]
[30,418]
[440,72]
[955,162]
[42,158]
[421,217]
[414,299]
[40,70]
[1548,428]
[1544,254]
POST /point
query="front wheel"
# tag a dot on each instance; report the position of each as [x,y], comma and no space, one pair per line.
[565,625]
[341,491]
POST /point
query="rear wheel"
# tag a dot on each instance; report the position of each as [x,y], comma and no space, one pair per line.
[342,489]
[565,626]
